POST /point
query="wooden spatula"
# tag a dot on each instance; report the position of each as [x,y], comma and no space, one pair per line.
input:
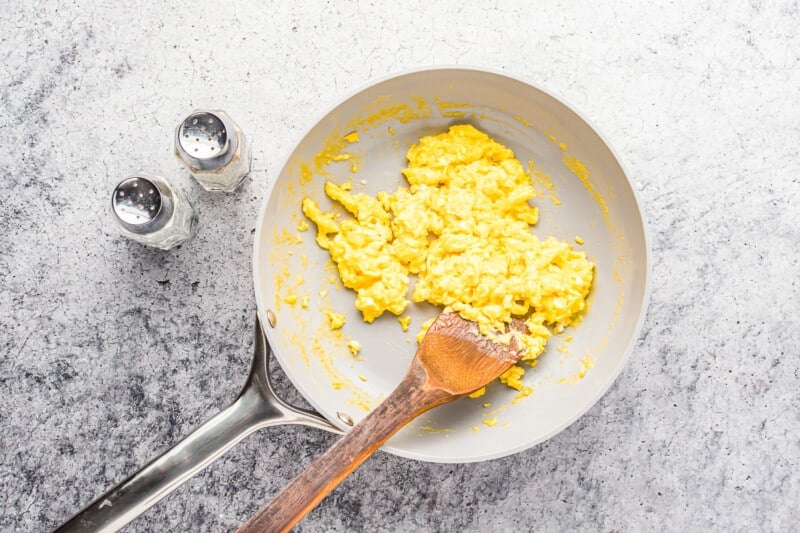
[453,360]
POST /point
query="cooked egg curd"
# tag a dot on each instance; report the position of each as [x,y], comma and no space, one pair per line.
[463,227]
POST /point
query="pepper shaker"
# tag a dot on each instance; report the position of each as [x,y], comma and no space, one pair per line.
[213,149]
[150,211]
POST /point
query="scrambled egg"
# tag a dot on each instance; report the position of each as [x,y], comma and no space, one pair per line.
[354,347]
[463,227]
[405,322]
[335,320]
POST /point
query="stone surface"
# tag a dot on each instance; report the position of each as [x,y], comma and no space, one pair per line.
[110,352]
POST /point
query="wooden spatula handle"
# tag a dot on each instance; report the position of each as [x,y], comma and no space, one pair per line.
[411,398]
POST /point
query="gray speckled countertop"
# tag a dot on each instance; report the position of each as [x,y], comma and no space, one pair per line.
[110,352]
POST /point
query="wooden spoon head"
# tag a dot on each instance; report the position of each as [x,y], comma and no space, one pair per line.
[459,359]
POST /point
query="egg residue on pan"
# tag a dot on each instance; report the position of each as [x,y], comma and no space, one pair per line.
[463,227]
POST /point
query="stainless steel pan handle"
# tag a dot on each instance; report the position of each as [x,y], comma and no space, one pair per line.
[256,407]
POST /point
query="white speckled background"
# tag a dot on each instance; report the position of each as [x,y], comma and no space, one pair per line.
[111,352]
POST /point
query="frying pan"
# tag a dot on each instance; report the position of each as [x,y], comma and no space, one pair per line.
[583,195]
[583,192]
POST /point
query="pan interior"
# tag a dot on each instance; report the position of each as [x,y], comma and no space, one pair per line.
[389,116]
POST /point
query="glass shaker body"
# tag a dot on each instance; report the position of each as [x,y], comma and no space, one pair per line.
[213,149]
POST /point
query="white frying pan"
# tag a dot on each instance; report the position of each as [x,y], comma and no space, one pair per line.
[390,115]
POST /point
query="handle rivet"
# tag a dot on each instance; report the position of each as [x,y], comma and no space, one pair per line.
[344,417]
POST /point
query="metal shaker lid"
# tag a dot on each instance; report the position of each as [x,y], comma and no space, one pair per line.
[142,204]
[206,140]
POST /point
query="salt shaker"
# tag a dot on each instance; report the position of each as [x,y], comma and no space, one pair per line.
[149,210]
[213,149]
